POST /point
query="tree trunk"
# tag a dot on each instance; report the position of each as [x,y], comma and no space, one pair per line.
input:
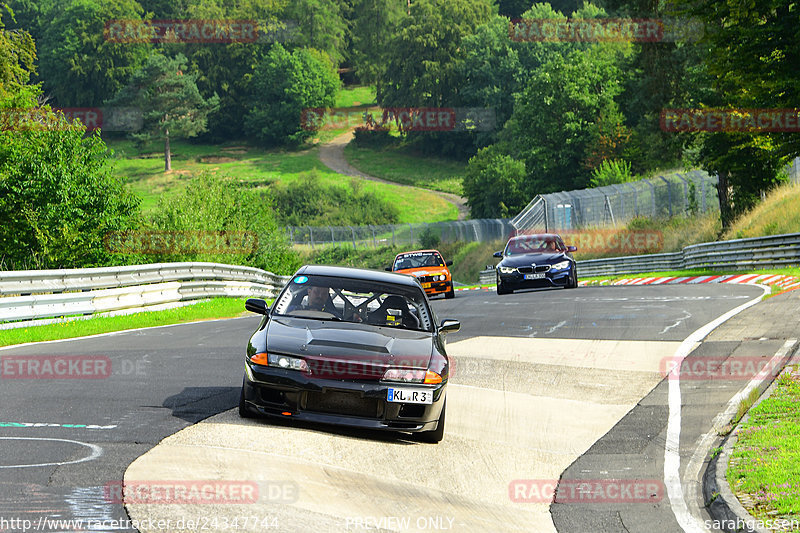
[167,154]
[724,201]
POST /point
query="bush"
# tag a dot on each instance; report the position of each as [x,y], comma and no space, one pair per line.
[306,202]
[373,138]
[494,184]
[284,84]
[59,198]
[210,204]
[611,172]
[428,238]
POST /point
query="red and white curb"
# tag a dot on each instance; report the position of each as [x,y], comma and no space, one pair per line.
[785,282]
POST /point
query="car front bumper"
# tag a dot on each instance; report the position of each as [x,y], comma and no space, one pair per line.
[438,287]
[516,280]
[356,403]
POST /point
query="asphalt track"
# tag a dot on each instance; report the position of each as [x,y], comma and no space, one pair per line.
[541,378]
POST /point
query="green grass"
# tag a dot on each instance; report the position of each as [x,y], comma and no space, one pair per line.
[779,213]
[356,96]
[143,170]
[215,308]
[765,463]
[402,165]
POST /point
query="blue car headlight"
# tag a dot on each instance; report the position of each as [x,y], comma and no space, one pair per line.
[560,266]
[506,270]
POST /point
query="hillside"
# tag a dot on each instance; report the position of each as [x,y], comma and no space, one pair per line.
[778,213]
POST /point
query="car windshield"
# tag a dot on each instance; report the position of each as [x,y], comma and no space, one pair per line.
[533,244]
[354,300]
[418,260]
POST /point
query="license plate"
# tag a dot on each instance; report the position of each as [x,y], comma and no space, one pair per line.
[410,396]
[426,285]
[534,276]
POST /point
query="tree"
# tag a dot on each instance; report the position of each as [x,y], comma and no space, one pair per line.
[494,184]
[17,56]
[554,115]
[226,69]
[373,22]
[752,56]
[284,84]
[58,196]
[424,53]
[79,65]
[170,102]
[322,25]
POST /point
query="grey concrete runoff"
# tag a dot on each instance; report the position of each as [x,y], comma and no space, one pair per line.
[723,505]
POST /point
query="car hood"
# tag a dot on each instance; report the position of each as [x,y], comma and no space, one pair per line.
[349,350]
[529,259]
[424,271]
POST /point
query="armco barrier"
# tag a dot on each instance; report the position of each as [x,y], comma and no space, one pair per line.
[33,294]
[739,254]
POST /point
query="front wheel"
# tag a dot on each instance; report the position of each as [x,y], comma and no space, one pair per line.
[573,280]
[501,289]
[435,436]
[244,412]
[451,293]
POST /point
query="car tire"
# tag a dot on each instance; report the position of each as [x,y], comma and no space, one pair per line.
[503,290]
[451,293]
[244,412]
[435,436]
[574,279]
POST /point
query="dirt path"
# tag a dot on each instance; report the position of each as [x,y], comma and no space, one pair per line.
[332,156]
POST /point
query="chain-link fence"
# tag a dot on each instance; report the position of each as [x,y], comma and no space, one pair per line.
[373,236]
[660,197]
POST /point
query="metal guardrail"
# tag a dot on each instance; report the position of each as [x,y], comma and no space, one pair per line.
[35,294]
[738,254]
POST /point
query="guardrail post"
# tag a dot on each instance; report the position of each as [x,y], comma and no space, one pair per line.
[374,242]
[311,236]
[352,229]
[669,195]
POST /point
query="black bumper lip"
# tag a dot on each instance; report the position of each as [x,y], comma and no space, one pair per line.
[289,388]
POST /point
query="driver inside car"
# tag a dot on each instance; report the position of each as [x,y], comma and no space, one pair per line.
[318,298]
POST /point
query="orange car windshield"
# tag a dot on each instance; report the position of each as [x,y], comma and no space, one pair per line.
[418,260]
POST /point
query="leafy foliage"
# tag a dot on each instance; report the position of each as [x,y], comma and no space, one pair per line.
[58,197]
[306,202]
[373,20]
[611,172]
[284,84]
[216,205]
[494,184]
[78,65]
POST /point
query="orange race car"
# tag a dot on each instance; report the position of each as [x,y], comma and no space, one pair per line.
[429,268]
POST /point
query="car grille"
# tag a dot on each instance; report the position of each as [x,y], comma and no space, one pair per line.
[341,403]
[425,279]
[533,268]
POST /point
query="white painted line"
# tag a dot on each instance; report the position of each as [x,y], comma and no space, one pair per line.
[672,459]
[11,346]
[97,451]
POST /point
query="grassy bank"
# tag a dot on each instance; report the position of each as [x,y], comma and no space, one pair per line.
[142,169]
[765,463]
[401,164]
[216,308]
[779,213]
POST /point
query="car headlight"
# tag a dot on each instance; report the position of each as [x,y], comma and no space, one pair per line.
[407,375]
[442,277]
[280,361]
[506,270]
[560,266]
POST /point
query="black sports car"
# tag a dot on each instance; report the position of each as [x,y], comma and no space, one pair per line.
[533,261]
[352,347]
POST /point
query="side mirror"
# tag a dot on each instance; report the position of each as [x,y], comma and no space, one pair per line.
[256,305]
[498,254]
[449,326]
[448,263]
[388,269]
[572,248]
